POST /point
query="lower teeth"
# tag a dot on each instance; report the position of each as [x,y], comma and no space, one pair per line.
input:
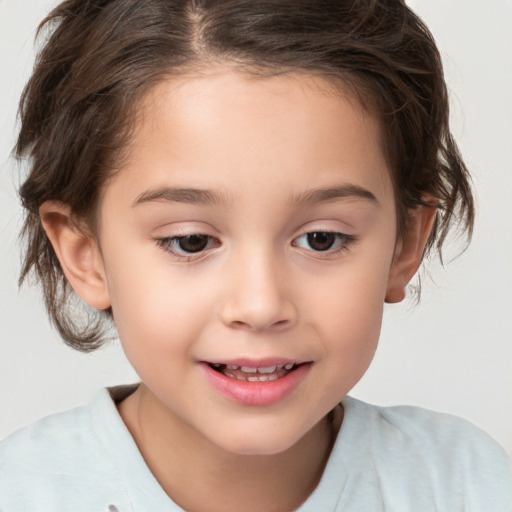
[252,378]
[235,372]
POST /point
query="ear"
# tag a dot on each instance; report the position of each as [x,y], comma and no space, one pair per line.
[409,252]
[78,253]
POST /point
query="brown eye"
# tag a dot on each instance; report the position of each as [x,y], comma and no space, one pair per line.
[188,247]
[328,242]
[192,243]
[321,240]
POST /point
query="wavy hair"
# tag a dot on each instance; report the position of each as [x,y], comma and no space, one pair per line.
[100,57]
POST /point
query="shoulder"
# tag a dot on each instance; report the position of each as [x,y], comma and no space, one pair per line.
[420,426]
[46,443]
[419,422]
[58,459]
[444,455]
[434,432]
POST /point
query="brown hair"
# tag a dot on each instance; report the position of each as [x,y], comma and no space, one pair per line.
[101,56]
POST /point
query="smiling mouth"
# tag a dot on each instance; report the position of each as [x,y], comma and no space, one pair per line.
[254,374]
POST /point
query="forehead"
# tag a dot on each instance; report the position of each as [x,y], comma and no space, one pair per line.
[222,129]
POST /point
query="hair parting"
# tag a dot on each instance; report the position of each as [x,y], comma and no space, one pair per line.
[99,58]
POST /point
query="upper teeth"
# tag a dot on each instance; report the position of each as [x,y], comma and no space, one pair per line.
[254,369]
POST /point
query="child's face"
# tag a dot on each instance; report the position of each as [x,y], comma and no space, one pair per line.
[246,169]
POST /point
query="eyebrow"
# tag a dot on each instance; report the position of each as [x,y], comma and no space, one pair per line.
[211,197]
[350,191]
[180,195]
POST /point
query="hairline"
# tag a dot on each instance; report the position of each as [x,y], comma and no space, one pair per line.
[203,67]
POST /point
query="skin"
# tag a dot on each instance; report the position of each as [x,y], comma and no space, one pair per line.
[258,290]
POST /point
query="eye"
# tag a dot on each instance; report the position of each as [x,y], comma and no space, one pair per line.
[188,245]
[324,241]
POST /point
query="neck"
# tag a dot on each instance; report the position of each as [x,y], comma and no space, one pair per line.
[201,476]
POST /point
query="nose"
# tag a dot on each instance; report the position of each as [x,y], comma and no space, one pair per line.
[258,297]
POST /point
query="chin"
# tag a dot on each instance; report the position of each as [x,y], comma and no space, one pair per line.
[268,440]
[265,447]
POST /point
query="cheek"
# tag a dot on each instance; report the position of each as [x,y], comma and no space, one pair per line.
[352,327]
[153,310]
[348,309]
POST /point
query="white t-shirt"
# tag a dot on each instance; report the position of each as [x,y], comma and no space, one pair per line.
[384,459]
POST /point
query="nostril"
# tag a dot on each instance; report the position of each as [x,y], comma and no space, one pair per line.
[237,324]
[281,324]
[257,314]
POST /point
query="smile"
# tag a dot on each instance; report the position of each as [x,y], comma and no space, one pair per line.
[253,373]
[254,383]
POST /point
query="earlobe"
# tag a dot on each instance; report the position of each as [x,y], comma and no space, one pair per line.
[78,254]
[409,252]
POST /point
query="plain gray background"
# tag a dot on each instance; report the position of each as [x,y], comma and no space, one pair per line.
[452,353]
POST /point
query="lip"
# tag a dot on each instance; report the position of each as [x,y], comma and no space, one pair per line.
[256,393]
[255,363]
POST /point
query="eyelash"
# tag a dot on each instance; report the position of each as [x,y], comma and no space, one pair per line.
[171,244]
[342,240]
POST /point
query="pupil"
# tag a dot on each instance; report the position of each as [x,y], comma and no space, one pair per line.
[321,241]
[193,243]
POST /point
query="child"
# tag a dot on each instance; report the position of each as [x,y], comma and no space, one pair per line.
[239,186]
